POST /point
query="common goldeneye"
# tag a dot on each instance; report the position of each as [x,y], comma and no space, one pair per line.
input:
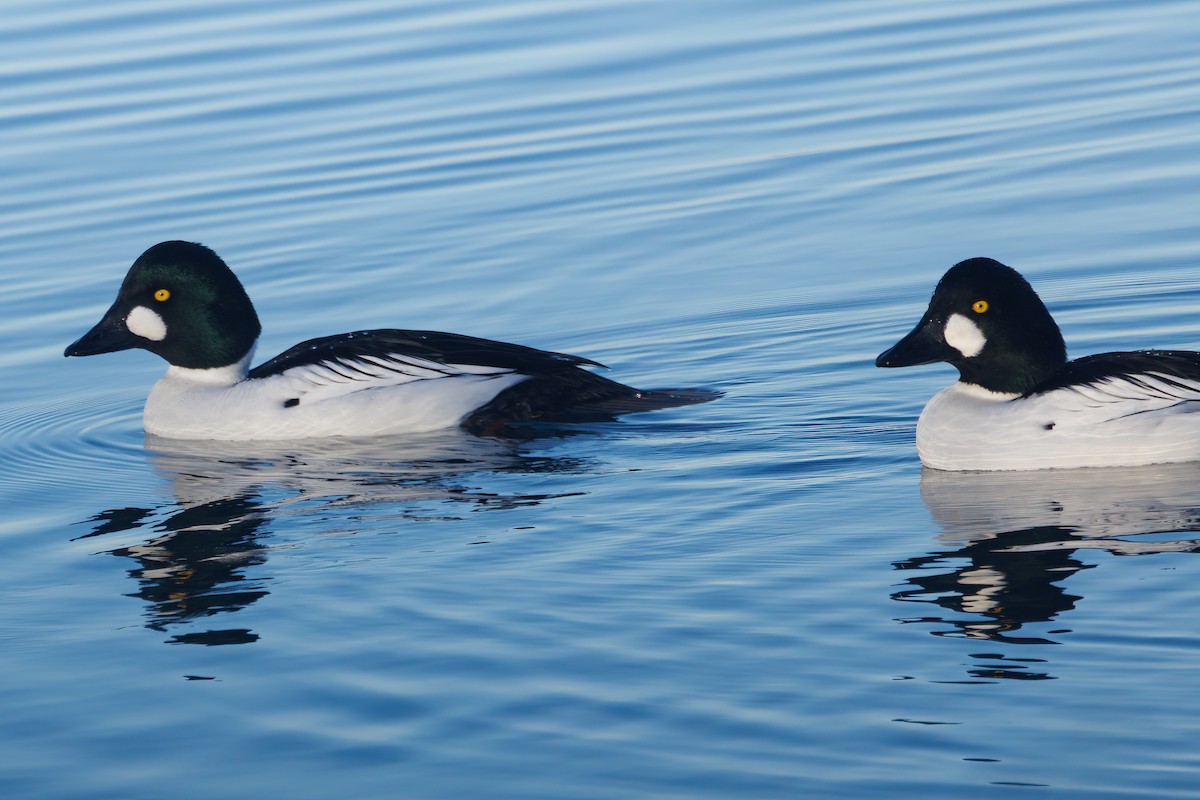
[181,302]
[1020,405]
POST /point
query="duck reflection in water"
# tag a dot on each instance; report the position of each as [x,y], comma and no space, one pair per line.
[227,497]
[1012,538]
[195,566]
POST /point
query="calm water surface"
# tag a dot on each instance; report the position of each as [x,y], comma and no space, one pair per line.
[760,597]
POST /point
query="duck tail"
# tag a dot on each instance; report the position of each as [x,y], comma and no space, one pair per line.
[575,396]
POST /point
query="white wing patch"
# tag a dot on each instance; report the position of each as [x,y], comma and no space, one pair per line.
[338,377]
[1148,391]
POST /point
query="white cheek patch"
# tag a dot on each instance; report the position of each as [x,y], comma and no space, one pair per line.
[964,336]
[143,322]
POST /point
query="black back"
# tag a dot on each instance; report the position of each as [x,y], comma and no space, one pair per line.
[443,348]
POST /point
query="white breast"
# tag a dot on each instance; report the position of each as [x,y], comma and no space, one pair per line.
[1114,423]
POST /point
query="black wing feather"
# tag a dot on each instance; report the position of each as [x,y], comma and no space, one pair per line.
[557,390]
[1130,366]
[575,396]
[444,348]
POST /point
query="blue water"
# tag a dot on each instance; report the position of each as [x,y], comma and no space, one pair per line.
[759,597]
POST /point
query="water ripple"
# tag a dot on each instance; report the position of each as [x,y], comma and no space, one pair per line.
[59,443]
[757,197]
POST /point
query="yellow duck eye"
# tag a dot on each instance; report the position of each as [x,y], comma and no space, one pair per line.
[979,306]
[162,295]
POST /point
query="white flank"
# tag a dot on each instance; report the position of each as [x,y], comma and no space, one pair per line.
[143,322]
[964,336]
[1112,423]
[367,396]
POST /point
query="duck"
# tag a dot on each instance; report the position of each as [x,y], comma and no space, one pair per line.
[182,302]
[1019,404]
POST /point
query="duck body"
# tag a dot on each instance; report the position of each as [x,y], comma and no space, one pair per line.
[1020,405]
[1113,422]
[317,400]
[180,301]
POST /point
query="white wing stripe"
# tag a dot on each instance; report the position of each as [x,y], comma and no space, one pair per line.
[340,376]
[1153,390]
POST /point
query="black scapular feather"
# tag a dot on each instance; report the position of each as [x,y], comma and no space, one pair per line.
[1133,366]
[557,389]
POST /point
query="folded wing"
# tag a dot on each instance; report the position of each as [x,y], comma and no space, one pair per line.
[1156,379]
[531,383]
